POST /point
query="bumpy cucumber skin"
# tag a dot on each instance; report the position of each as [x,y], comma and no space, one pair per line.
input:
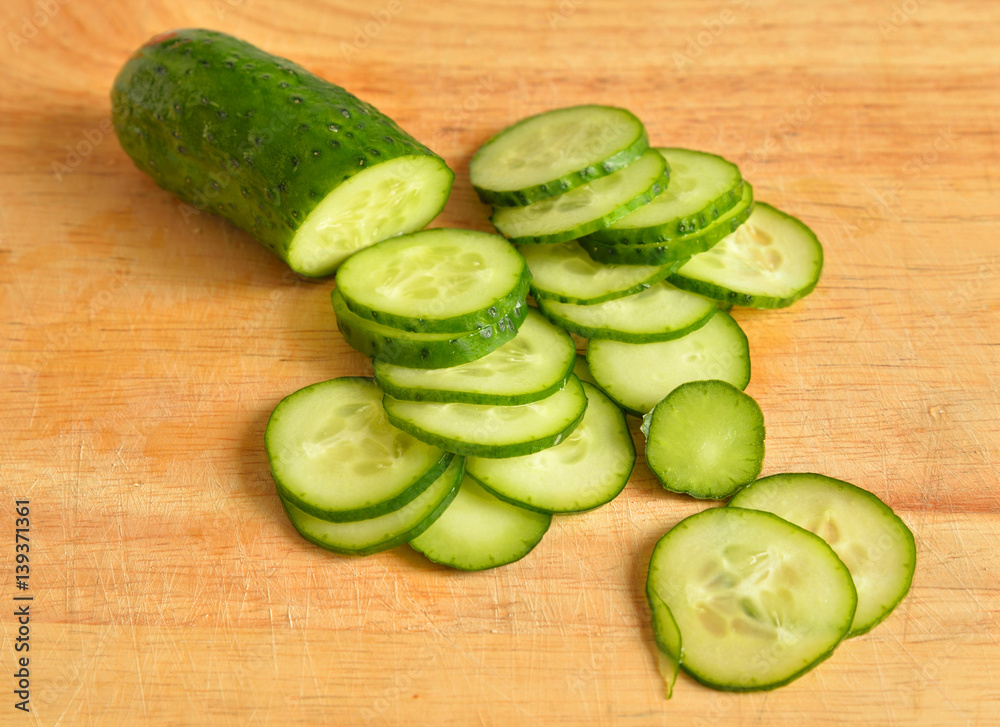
[528,195]
[236,131]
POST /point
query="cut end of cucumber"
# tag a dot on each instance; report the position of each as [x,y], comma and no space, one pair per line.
[392,198]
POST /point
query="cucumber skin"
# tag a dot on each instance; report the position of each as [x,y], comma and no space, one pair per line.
[236,131]
[615,335]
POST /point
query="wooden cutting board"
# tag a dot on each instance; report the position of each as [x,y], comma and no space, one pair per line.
[143,351]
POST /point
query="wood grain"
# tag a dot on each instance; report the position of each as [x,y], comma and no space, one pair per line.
[143,352]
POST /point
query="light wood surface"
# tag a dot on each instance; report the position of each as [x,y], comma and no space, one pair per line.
[142,353]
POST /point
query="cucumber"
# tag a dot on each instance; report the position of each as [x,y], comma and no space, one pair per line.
[668,640]
[757,601]
[659,313]
[478,531]
[702,187]
[874,543]
[706,439]
[422,350]
[582,371]
[586,470]
[309,170]
[587,208]
[548,154]
[679,249]
[638,375]
[436,281]
[333,453]
[365,537]
[566,273]
[479,430]
[533,365]
[770,262]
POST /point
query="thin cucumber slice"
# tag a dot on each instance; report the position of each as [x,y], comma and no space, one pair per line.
[365,537]
[334,454]
[482,430]
[668,640]
[679,249]
[706,439]
[702,187]
[423,350]
[479,531]
[659,313]
[586,470]
[436,281]
[588,208]
[566,273]
[758,601]
[639,375]
[533,365]
[582,371]
[553,152]
[770,262]
[874,543]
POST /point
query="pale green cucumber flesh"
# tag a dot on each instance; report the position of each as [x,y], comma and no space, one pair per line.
[668,641]
[872,541]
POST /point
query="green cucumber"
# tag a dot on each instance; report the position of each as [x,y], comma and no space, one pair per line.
[553,152]
[668,640]
[311,171]
[479,531]
[533,365]
[679,249]
[333,453]
[702,187]
[422,350]
[365,537]
[436,281]
[586,470]
[659,313]
[566,273]
[770,262]
[481,430]
[588,208]
[874,543]
[639,375]
[756,600]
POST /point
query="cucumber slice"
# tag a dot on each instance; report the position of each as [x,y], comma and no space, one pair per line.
[479,531]
[702,187]
[770,262]
[436,281]
[588,208]
[659,313]
[533,365]
[586,470]
[334,454]
[706,439]
[758,601]
[668,640]
[480,430]
[423,350]
[874,543]
[679,249]
[548,154]
[365,537]
[582,371]
[564,272]
[639,375]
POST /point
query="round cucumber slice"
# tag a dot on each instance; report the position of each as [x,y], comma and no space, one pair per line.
[586,208]
[365,537]
[481,430]
[770,262]
[436,281]
[550,153]
[479,531]
[423,350]
[706,439]
[334,454]
[639,375]
[874,543]
[584,471]
[757,600]
[668,640]
[533,365]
